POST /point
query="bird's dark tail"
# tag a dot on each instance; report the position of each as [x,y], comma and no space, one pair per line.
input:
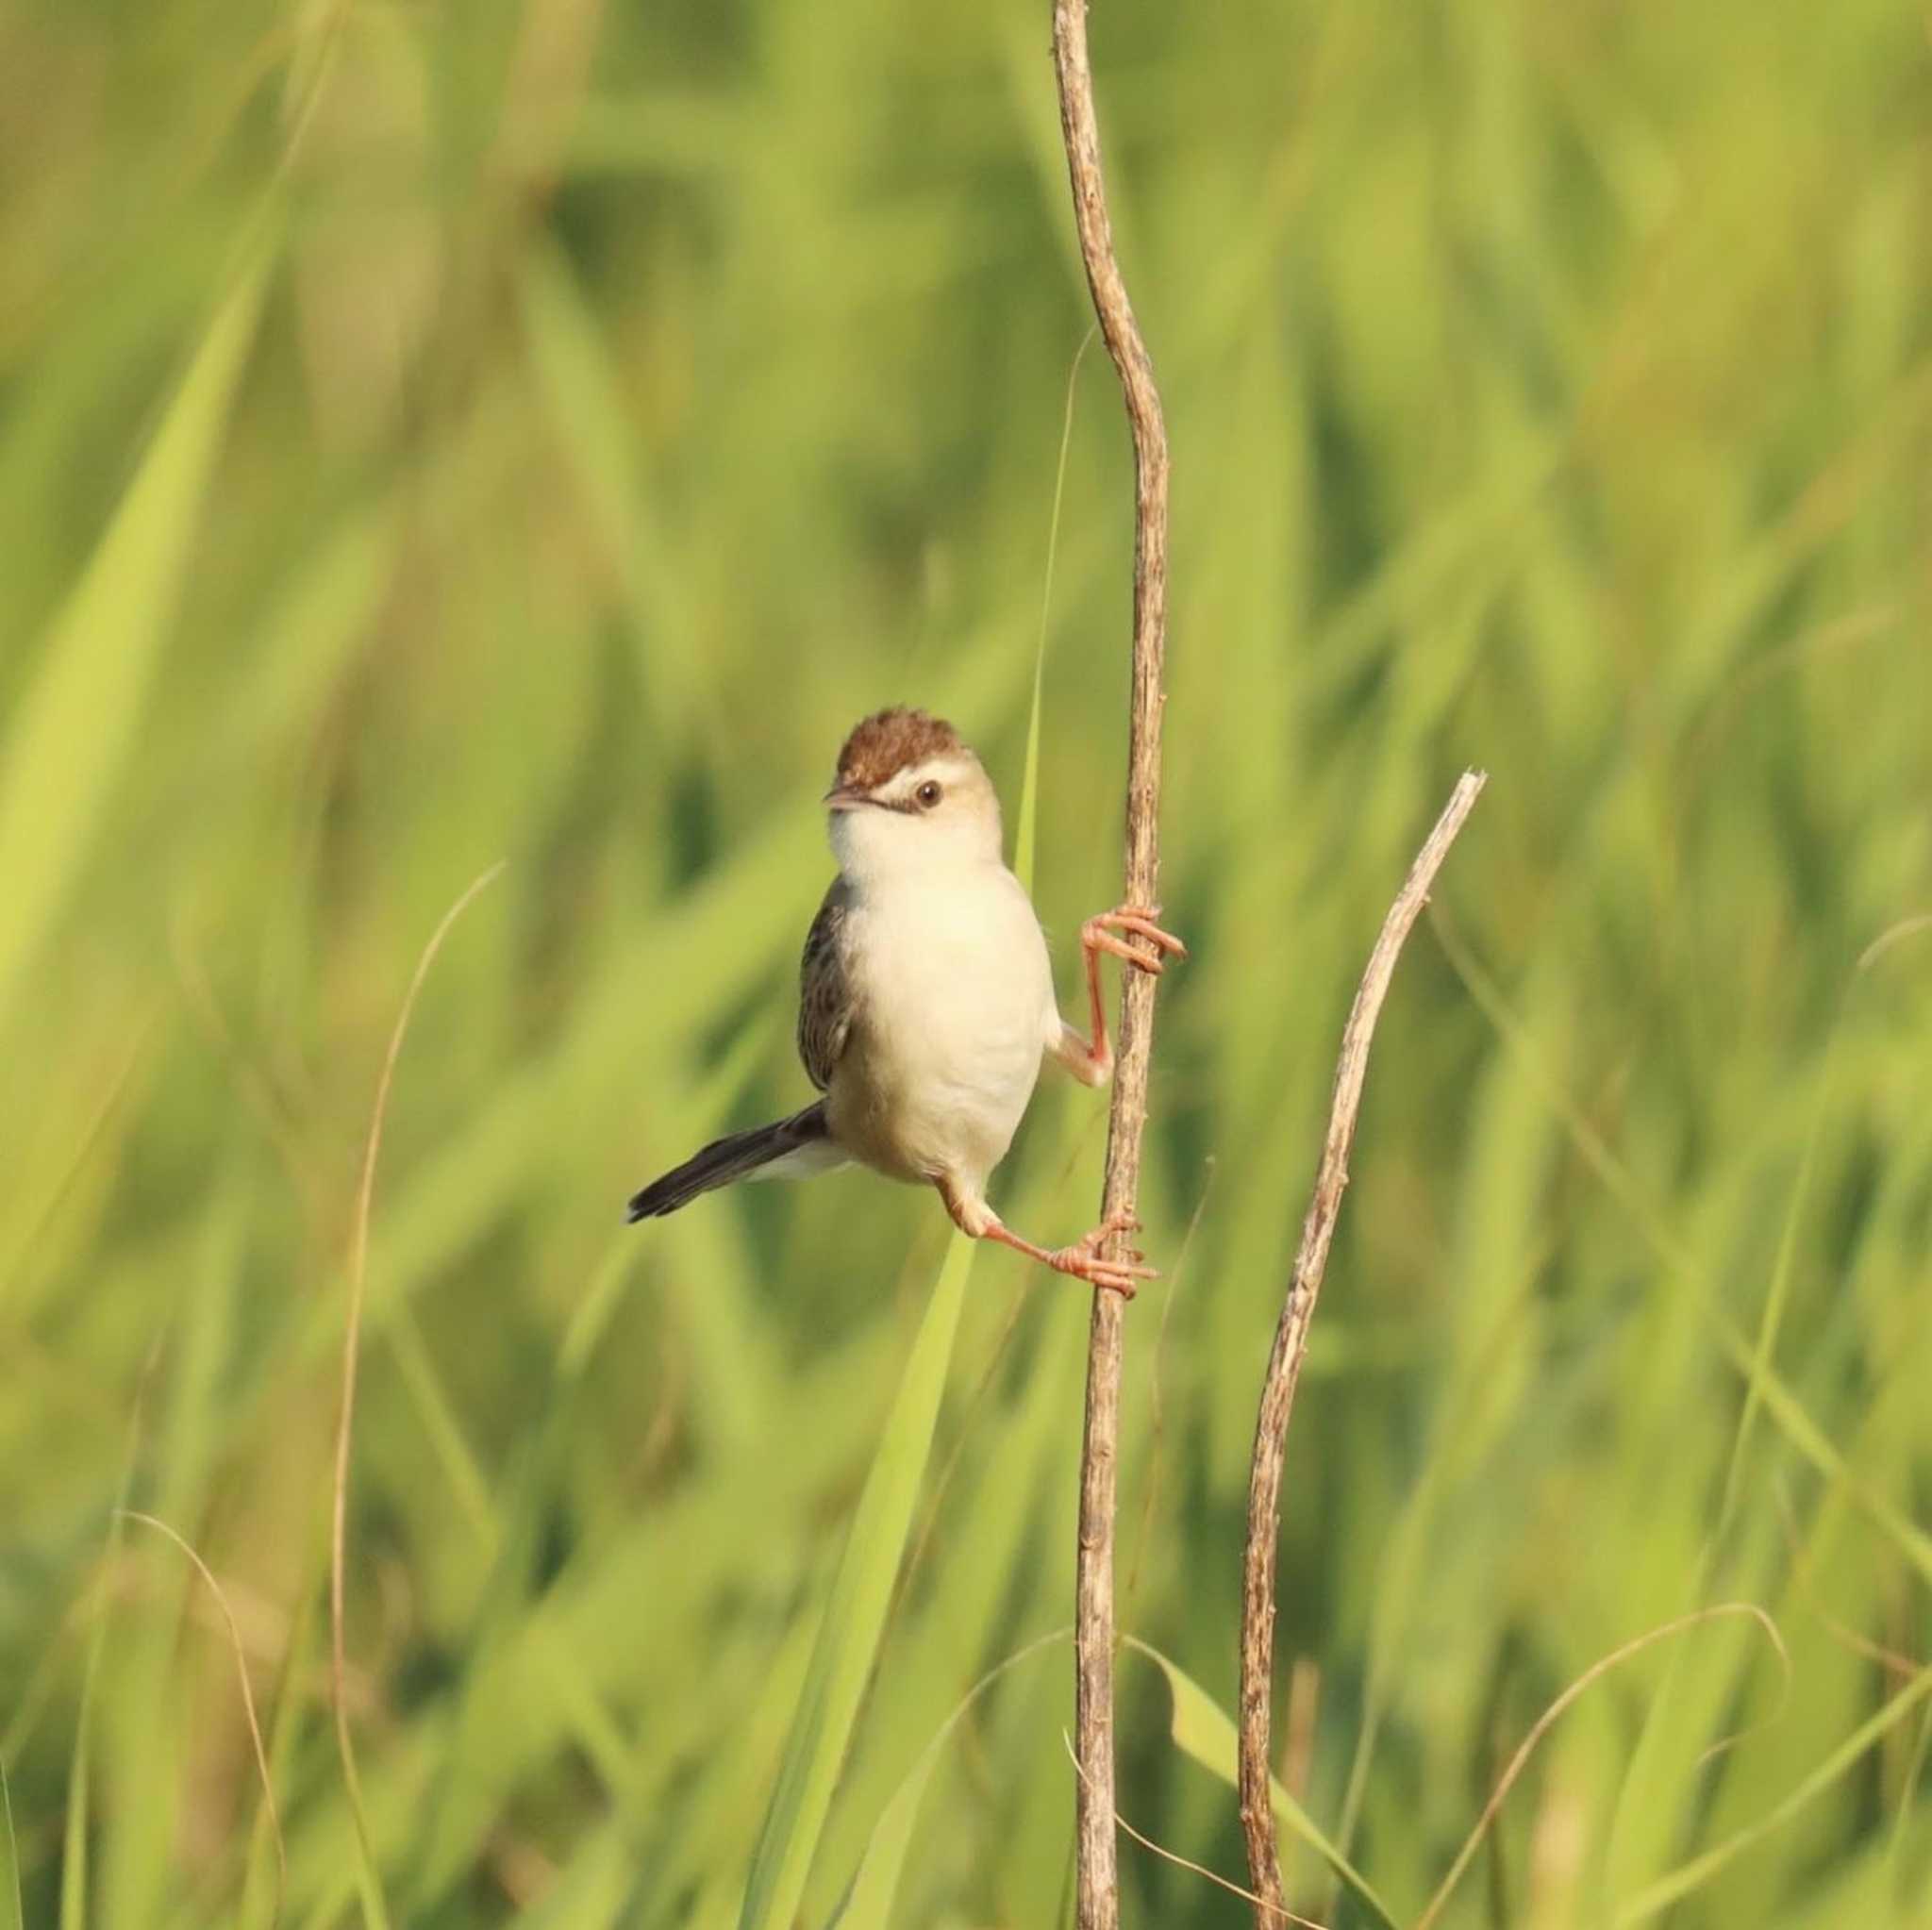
[797,1145]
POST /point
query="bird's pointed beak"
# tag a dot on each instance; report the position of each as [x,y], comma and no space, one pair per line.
[845,797]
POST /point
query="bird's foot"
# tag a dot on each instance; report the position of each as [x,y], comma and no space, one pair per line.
[1083,1259]
[1102,934]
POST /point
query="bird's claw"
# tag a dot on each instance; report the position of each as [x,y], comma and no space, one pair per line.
[1084,1262]
[1100,933]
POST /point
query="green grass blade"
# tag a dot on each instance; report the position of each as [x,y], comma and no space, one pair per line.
[855,1616]
[1201,1728]
[9,1860]
[1025,837]
[1680,1881]
[76,722]
[576,380]
[868,1903]
[1771,1392]
[74,1856]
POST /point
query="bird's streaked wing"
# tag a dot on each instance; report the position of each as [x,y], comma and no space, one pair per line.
[825,992]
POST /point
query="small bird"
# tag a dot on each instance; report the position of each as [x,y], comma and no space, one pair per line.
[926,999]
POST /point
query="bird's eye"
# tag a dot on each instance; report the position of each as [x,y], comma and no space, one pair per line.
[927,794]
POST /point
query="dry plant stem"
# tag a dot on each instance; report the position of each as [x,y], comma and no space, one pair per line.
[1097,1880]
[1290,1343]
[1186,1863]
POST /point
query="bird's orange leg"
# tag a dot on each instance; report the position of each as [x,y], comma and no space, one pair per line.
[1092,1058]
[1082,1260]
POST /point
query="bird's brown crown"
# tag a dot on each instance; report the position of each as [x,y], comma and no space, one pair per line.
[889,742]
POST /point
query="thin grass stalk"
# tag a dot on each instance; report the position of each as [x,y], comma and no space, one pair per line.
[1097,1885]
[1291,1344]
[375,1905]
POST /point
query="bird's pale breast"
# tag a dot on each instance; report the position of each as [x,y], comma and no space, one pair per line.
[951,1007]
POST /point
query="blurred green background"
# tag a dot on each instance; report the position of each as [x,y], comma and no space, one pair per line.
[535,430]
